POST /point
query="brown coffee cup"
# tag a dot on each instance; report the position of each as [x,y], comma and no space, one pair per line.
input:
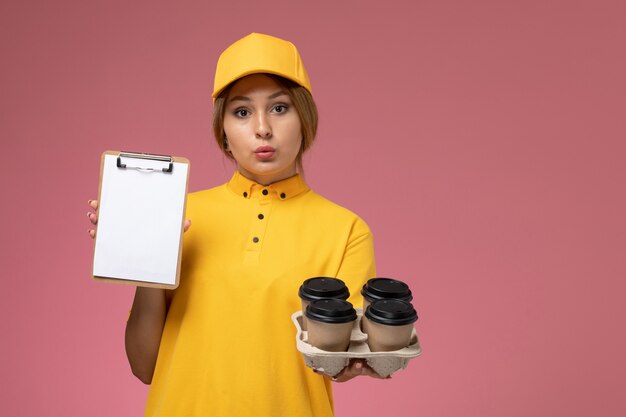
[330,323]
[381,289]
[389,324]
[319,288]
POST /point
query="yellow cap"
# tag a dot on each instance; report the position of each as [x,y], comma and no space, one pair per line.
[258,53]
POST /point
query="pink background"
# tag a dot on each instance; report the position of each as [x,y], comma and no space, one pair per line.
[483,141]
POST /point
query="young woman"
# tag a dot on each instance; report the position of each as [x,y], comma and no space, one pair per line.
[222,343]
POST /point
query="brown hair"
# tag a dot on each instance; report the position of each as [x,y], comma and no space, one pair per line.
[302,102]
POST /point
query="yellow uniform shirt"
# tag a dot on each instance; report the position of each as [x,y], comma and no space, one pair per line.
[228,348]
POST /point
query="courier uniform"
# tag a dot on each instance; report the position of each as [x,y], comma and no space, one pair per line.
[228,347]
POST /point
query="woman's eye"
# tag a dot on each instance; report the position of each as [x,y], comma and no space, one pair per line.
[241,112]
[281,108]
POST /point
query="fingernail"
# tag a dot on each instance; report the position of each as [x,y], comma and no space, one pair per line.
[89,214]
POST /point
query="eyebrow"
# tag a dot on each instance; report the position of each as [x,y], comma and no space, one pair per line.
[271,96]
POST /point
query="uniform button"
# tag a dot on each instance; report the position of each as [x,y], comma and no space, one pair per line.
[245,194]
[283,195]
[265,192]
[255,239]
[261,216]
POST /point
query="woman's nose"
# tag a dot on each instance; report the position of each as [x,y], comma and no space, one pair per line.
[263,127]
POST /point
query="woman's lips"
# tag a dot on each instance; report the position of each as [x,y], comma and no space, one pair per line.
[264,152]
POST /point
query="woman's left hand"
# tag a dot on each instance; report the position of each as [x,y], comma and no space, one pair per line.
[356,367]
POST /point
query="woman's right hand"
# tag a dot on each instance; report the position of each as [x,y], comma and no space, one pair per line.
[93,218]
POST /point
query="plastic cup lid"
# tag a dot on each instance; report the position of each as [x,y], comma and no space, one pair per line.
[323,287]
[331,311]
[383,288]
[391,312]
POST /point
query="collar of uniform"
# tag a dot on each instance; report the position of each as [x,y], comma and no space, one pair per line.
[284,190]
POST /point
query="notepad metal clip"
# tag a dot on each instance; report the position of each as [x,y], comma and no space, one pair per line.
[145,156]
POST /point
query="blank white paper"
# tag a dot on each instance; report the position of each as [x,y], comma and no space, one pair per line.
[140,219]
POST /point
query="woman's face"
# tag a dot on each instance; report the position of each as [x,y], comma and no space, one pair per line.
[263,129]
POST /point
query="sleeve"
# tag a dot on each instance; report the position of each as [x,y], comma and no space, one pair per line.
[358,263]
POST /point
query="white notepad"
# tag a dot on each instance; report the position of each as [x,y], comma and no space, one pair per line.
[141,213]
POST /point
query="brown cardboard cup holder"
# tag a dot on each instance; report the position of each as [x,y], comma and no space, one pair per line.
[331,363]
